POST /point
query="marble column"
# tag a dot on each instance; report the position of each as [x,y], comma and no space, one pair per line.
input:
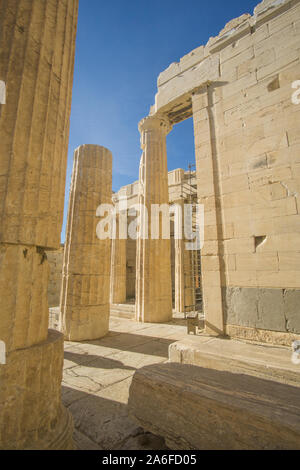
[37,48]
[118,264]
[84,304]
[153,267]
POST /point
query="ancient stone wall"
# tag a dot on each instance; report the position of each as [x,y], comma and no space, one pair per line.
[239,90]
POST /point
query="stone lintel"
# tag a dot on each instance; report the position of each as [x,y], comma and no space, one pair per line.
[174,97]
[176,83]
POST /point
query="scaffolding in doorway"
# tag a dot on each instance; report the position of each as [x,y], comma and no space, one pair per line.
[193,302]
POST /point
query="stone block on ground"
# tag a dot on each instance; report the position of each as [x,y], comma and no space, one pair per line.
[197,408]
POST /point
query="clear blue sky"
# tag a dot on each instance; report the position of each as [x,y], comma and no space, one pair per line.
[122,46]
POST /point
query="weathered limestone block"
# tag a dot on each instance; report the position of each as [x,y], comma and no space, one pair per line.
[267,7]
[37,48]
[153,275]
[262,336]
[86,269]
[196,408]
[207,69]
[265,309]
[236,356]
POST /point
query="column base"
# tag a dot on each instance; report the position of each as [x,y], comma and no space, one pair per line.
[32,415]
[157,313]
[84,323]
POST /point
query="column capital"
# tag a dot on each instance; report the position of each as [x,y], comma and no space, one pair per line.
[115,198]
[155,122]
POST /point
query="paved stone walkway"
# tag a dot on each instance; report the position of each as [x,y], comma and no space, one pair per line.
[97,378]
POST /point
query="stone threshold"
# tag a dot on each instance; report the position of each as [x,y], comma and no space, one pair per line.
[123,310]
[236,356]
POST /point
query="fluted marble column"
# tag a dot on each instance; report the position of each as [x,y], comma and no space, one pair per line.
[153,274]
[84,305]
[118,264]
[37,48]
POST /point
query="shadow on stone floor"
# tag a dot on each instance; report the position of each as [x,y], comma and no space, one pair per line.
[95,361]
[104,424]
[132,342]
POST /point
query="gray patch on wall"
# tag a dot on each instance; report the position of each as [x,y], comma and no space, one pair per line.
[266,309]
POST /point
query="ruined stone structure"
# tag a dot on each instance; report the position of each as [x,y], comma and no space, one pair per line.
[84,304]
[37,44]
[238,89]
[123,253]
[181,185]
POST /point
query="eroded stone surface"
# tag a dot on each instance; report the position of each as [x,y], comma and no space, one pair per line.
[267,362]
[209,409]
[247,158]
[265,309]
[97,379]
[84,308]
[37,44]
[37,58]
[30,399]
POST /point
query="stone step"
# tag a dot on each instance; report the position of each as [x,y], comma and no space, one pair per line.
[123,310]
[197,408]
[264,361]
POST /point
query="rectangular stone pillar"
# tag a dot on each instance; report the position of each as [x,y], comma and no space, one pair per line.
[189,280]
[118,265]
[208,190]
[84,304]
[37,48]
[153,275]
[179,276]
[184,286]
